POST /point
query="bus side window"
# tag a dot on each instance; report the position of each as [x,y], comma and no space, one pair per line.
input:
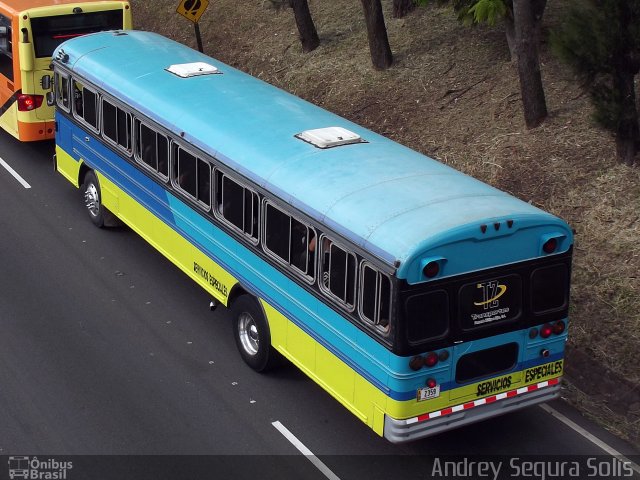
[237,204]
[289,239]
[116,125]
[6,47]
[85,104]
[193,176]
[277,229]
[375,298]
[152,149]
[338,272]
[62,91]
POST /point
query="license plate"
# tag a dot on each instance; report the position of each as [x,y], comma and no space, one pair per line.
[426,393]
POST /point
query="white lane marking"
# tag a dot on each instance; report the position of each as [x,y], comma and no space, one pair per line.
[592,438]
[15,174]
[305,451]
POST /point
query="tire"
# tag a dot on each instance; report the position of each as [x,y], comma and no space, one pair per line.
[93,199]
[252,335]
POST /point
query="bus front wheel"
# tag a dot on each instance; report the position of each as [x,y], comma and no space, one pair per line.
[252,335]
[93,199]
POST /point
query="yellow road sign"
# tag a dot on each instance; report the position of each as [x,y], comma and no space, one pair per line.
[192,9]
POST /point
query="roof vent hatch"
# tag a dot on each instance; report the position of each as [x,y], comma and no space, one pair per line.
[195,69]
[329,137]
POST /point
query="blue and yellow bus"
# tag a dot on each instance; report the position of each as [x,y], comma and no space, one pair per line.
[418,297]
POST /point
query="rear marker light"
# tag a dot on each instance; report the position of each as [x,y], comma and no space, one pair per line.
[431,269]
[546,330]
[550,245]
[431,383]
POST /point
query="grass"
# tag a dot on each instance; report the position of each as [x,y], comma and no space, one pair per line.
[453,94]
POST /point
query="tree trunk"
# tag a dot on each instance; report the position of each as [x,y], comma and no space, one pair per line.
[533,100]
[381,56]
[402,7]
[306,28]
[510,32]
[628,132]
[538,7]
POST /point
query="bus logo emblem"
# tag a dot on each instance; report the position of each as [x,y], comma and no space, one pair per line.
[491,292]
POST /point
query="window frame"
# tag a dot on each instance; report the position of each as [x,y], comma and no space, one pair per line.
[128,115]
[320,250]
[375,323]
[7,52]
[137,154]
[218,213]
[59,103]
[266,202]
[174,165]
[80,118]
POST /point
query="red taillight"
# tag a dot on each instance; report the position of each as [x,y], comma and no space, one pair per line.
[533,333]
[416,363]
[26,103]
[546,330]
[550,245]
[430,359]
[431,269]
[558,327]
[431,383]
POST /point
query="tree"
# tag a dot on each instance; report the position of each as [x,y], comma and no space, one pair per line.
[491,11]
[523,20]
[531,89]
[381,56]
[600,39]
[402,7]
[306,28]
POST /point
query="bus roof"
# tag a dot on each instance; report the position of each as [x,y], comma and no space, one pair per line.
[381,195]
[15,6]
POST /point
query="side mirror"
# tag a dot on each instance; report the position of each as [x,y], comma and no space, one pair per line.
[51,99]
[45,82]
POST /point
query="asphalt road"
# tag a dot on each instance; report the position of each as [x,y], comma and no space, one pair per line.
[106,348]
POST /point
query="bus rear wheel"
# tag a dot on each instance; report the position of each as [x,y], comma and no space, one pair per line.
[93,199]
[252,335]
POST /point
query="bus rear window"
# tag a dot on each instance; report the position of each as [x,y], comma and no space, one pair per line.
[550,288]
[49,32]
[427,316]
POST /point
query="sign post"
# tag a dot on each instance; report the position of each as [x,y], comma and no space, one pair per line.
[192,10]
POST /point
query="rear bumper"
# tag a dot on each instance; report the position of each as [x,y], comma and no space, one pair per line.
[399,431]
[30,132]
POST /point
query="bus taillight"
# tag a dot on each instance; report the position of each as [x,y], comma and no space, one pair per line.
[558,327]
[26,103]
[431,359]
[546,330]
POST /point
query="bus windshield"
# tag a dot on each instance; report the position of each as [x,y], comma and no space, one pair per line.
[49,32]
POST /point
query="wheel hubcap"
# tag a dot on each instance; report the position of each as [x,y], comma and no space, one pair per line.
[92,200]
[248,334]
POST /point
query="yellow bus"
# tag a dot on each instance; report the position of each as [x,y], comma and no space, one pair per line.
[30,30]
